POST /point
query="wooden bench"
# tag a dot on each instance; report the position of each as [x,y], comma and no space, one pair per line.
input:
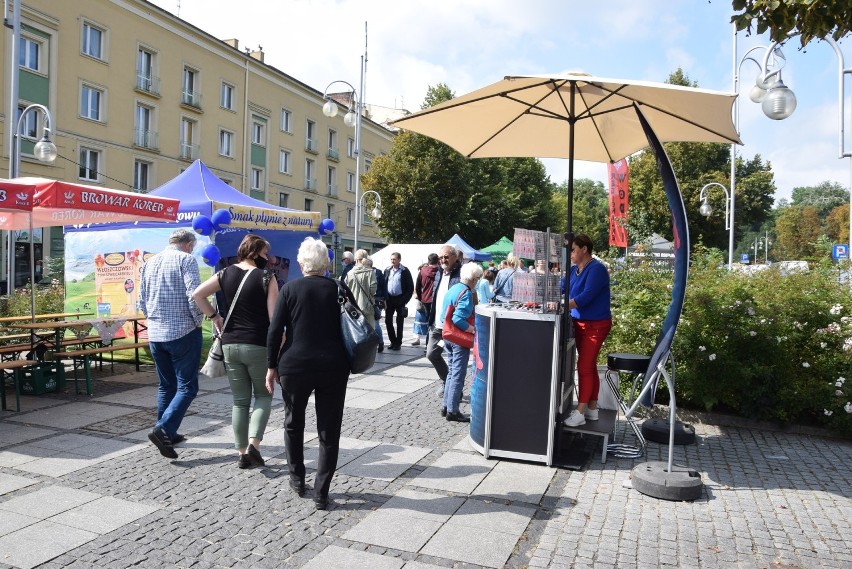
[11,338]
[12,351]
[17,368]
[86,354]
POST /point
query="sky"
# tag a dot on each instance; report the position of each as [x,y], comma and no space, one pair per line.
[467,44]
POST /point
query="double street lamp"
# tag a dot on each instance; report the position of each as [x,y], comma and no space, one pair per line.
[706,209]
[44,151]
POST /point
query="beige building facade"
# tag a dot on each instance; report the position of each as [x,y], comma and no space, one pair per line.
[136,94]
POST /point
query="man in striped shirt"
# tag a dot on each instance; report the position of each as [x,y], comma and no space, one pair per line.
[174,332]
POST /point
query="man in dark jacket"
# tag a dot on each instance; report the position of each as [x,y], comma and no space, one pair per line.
[447,276]
[400,288]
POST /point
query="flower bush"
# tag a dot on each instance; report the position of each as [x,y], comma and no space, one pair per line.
[49,299]
[764,346]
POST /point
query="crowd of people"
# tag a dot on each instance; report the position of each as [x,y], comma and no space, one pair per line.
[291,335]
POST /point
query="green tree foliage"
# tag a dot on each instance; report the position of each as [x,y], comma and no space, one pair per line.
[590,212]
[837,224]
[429,191]
[814,19]
[695,165]
[797,230]
[825,197]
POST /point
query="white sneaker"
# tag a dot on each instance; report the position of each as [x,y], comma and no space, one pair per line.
[575,419]
[591,414]
[415,342]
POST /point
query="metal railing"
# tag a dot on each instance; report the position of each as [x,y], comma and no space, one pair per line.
[148,83]
[311,184]
[188,151]
[146,139]
[191,98]
[334,154]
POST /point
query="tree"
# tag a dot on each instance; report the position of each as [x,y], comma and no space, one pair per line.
[837,224]
[436,95]
[825,197]
[590,212]
[798,230]
[813,19]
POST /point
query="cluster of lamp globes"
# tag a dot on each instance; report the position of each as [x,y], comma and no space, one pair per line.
[776,99]
[220,219]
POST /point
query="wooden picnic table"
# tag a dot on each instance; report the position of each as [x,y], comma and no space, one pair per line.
[11,321]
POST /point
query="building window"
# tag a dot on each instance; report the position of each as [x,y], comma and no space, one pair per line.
[310,174]
[89,164]
[329,211]
[145,79]
[332,181]
[191,88]
[283,199]
[142,175]
[284,161]
[350,147]
[350,216]
[368,163]
[350,182]
[310,136]
[226,97]
[188,147]
[286,120]
[146,137]
[226,143]
[333,151]
[29,53]
[93,40]
[309,204]
[256,179]
[90,102]
[258,133]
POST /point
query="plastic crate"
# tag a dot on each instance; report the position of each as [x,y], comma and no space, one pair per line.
[42,378]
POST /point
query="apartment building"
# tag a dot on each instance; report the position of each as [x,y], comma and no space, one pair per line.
[136,94]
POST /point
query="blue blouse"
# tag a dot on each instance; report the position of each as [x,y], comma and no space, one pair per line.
[590,292]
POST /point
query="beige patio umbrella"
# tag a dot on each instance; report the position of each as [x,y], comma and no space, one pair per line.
[574,116]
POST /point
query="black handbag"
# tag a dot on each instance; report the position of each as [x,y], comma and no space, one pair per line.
[359,338]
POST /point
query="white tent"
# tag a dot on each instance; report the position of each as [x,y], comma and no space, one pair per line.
[412,256]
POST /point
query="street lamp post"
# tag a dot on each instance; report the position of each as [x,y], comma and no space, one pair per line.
[706,209]
[44,151]
[779,102]
[352,118]
[377,207]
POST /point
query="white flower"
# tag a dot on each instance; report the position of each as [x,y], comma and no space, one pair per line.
[848,407]
[752,333]
[838,393]
[835,310]
[750,311]
[842,380]
[827,413]
[806,364]
[822,345]
[711,357]
[701,348]
[847,345]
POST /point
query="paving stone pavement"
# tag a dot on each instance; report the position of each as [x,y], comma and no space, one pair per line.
[80,486]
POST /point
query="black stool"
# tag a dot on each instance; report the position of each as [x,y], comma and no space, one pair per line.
[628,364]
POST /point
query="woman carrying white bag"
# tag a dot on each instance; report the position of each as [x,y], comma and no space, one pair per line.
[249,301]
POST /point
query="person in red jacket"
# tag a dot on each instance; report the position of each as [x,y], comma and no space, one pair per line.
[423,294]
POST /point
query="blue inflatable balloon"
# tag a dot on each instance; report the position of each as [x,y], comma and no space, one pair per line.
[220,219]
[326,226]
[211,255]
[331,254]
[202,225]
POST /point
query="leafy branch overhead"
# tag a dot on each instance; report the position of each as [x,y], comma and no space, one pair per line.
[814,19]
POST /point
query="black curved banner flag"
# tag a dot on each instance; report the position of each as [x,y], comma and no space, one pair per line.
[681,262]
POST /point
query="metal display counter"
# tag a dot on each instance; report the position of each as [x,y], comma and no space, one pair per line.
[516,394]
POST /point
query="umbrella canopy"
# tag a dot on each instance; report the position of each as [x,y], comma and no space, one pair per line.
[537,116]
[16,203]
[65,203]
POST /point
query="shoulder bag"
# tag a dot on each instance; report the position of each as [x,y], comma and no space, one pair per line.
[454,334]
[359,338]
[215,365]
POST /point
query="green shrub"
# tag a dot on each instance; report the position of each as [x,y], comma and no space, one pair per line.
[764,346]
[50,299]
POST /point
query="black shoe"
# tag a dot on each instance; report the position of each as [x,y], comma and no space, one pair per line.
[443,411]
[321,502]
[298,486]
[163,443]
[381,348]
[178,438]
[244,462]
[254,456]
[394,347]
[457,417]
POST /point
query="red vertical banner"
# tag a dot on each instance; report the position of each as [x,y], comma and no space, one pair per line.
[618,197]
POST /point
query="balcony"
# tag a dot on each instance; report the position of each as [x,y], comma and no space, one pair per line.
[146,139]
[332,190]
[311,145]
[188,151]
[148,83]
[191,99]
[311,184]
[334,154]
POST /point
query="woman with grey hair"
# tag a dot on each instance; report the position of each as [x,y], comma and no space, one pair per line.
[312,360]
[463,296]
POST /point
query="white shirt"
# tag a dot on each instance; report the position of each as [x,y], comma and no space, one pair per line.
[443,287]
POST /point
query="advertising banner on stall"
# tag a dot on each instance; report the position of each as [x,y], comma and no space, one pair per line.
[618,198]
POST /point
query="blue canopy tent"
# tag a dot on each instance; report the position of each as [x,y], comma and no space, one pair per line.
[96,251]
[469,252]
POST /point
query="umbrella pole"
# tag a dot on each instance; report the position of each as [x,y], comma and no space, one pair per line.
[32,271]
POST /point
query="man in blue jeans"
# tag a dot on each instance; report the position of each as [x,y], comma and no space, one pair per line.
[167,281]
